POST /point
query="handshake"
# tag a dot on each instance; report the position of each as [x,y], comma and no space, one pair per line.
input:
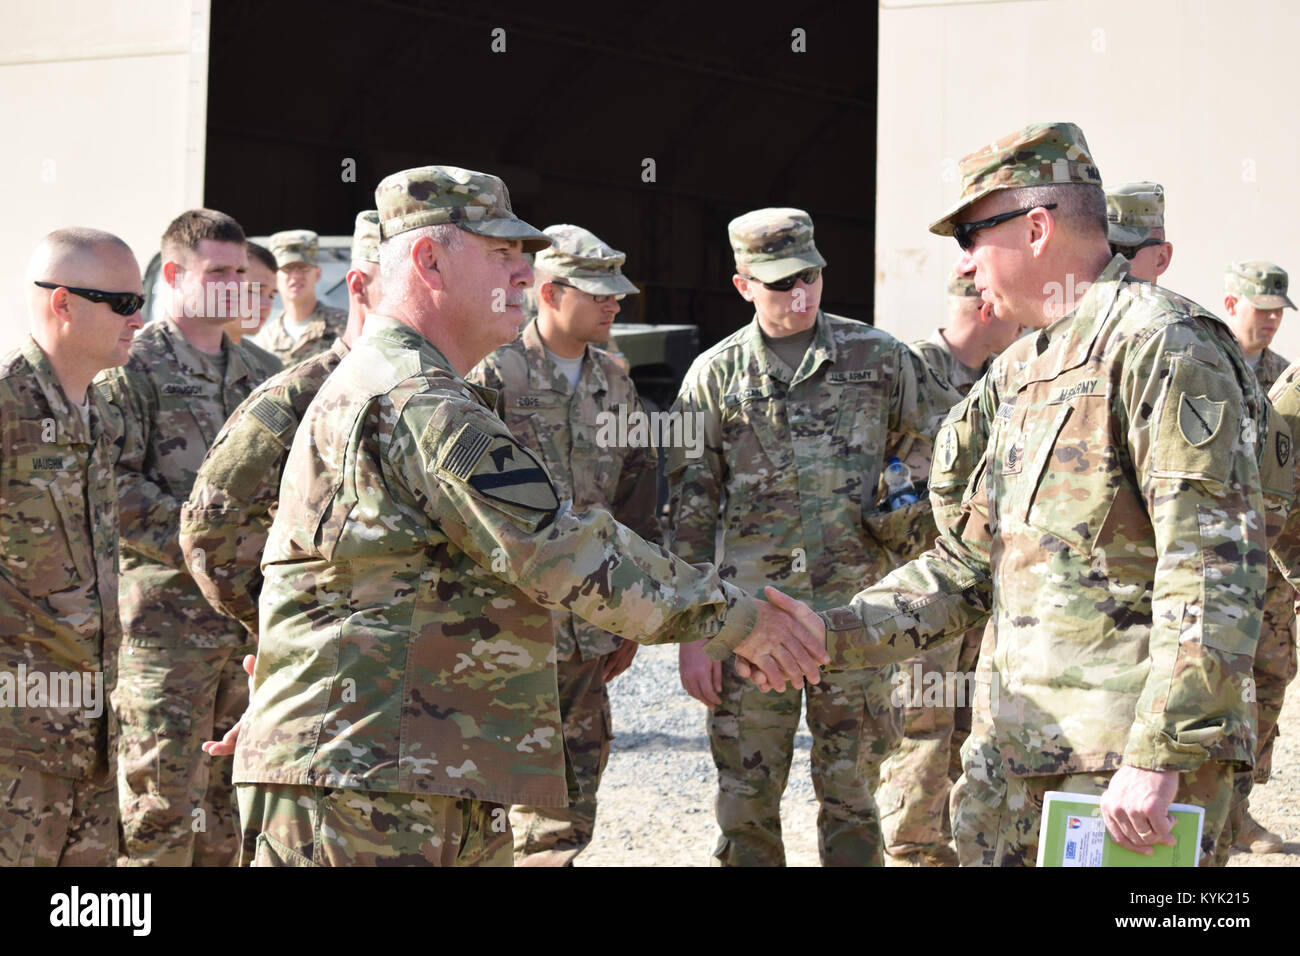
[788,643]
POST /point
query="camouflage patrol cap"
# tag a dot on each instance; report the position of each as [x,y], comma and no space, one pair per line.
[1041,154]
[770,244]
[434,195]
[1132,211]
[1262,283]
[365,237]
[293,245]
[580,257]
[962,288]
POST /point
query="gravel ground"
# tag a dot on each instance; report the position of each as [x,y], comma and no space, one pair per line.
[656,800]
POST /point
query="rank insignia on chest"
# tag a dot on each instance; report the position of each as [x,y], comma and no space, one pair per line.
[1015,457]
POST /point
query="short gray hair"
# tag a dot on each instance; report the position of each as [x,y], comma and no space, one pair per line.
[1080,207]
[395,254]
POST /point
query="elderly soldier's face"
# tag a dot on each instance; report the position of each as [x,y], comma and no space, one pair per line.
[484,288]
[1253,327]
[208,280]
[1001,263]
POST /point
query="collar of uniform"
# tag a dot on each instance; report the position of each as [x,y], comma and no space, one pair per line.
[191,361]
[71,427]
[387,329]
[543,376]
[339,347]
[1065,343]
[822,348]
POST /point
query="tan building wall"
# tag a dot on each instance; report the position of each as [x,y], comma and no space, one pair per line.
[1198,95]
[103,106]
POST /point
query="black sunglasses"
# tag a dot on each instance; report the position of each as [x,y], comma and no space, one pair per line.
[964,232]
[123,303]
[808,277]
[598,299]
[1128,252]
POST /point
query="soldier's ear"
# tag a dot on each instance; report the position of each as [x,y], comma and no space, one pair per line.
[1164,256]
[742,286]
[428,259]
[170,270]
[1230,305]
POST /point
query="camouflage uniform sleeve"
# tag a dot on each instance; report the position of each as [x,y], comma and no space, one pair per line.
[922,396]
[1285,398]
[149,517]
[225,523]
[695,485]
[636,499]
[494,501]
[1193,455]
[959,446]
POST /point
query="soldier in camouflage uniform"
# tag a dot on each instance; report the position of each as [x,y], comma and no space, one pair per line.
[556,389]
[306,326]
[1256,294]
[226,521]
[260,280]
[916,777]
[59,627]
[406,682]
[179,669]
[795,409]
[1135,228]
[1121,652]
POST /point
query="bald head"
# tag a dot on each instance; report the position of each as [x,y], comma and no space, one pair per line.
[89,258]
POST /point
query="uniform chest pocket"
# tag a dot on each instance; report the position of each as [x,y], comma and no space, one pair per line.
[542,427]
[1072,476]
[755,439]
[595,460]
[43,531]
[179,441]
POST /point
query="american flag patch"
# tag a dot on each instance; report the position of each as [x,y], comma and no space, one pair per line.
[465,452]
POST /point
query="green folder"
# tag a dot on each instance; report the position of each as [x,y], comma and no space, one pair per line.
[1073,834]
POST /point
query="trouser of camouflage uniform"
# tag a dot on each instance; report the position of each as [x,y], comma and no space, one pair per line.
[554,836]
[916,776]
[1275,667]
[1022,811]
[752,737]
[48,820]
[286,825]
[177,803]
[975,805]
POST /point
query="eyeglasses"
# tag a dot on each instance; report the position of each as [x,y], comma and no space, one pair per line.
[598,299]
[964,232]
[123,303]
[1128,252]
[807,277]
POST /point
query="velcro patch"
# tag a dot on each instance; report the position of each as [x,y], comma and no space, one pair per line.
[1005,411]
[174,388]
[534,401]
[1069,393]
[1199,418]
[266,411]
[861,375]
[465,452]
[946,447]
[1283,448]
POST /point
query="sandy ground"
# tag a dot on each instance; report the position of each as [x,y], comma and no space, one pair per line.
[656,801]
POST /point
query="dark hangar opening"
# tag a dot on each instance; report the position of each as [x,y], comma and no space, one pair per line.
[584,93]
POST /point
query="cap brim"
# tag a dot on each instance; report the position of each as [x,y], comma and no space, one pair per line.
[603,285]
[534,240]
[1126,235]
[289,258]
[1268,302]
[777,269]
